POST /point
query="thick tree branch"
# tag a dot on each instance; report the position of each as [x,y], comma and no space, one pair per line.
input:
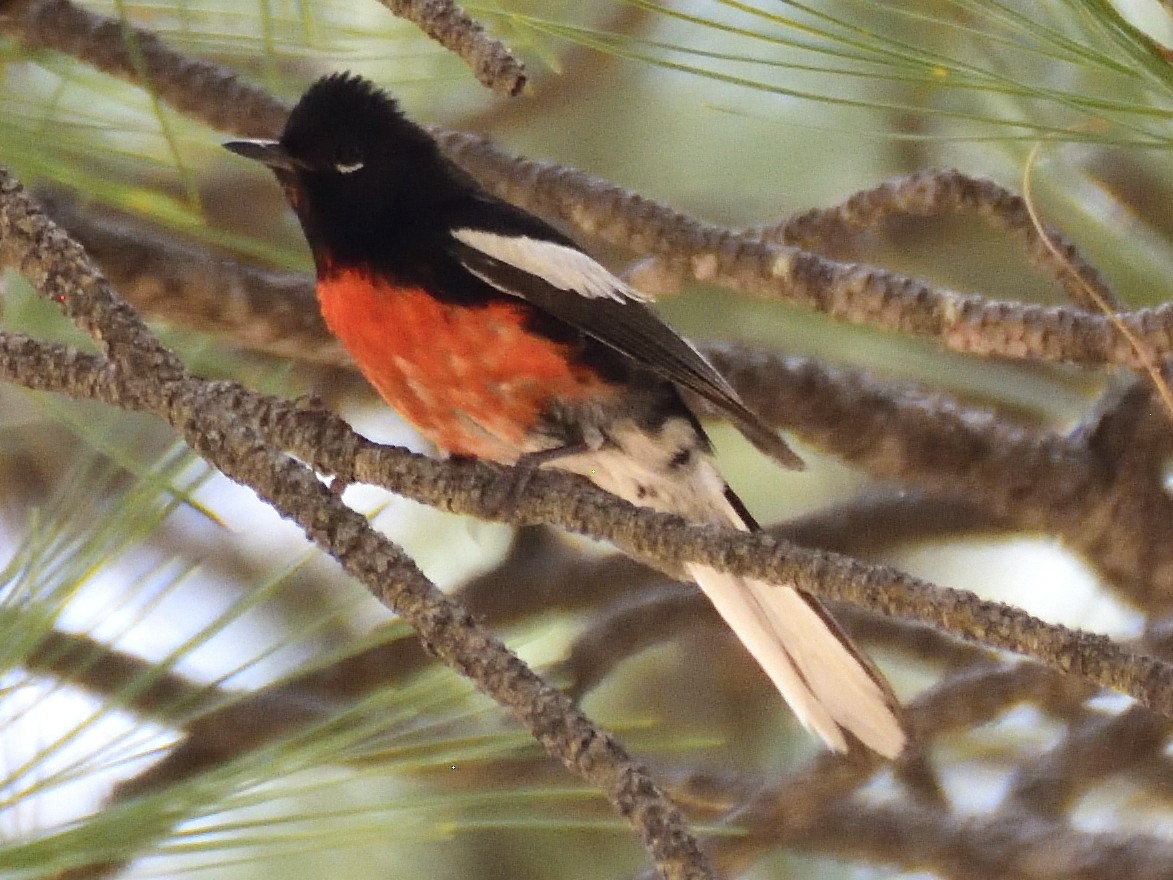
[472,488]
[792,810]
[1010,847]
[1100,489]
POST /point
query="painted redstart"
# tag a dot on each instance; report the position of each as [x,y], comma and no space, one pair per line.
[497,337]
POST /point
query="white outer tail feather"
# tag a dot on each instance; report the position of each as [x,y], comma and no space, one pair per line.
[828,687]
[820,678]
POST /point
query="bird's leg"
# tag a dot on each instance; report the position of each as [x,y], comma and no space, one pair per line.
[505,494]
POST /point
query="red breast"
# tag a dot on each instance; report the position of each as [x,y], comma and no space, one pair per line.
[472,379]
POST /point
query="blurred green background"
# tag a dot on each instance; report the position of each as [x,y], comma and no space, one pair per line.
[739,113]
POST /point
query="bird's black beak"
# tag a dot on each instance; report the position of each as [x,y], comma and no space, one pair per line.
[270,153]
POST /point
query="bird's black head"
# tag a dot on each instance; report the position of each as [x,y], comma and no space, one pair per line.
[359,174]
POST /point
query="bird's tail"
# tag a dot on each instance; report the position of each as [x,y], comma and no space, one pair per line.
[831,687]
[828,684]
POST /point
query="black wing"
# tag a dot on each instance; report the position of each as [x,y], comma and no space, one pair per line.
[520,256]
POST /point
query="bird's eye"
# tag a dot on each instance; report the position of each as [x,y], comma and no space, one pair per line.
[347,159]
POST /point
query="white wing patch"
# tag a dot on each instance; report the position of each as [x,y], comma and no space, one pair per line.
[560,266]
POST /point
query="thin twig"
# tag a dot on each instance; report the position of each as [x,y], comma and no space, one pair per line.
[454,29]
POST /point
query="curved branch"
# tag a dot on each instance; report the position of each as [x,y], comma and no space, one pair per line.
[935,192]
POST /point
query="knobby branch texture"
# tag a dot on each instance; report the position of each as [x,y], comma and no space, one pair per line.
[1098,488]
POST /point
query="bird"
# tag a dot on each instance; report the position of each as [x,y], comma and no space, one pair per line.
[500,339]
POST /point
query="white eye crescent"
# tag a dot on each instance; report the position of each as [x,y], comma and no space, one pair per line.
[348,159]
